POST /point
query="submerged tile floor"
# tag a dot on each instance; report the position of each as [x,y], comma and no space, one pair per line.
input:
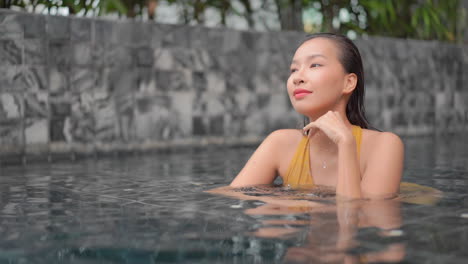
[152,209]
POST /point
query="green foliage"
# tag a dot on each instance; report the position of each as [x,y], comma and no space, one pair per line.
[429,19]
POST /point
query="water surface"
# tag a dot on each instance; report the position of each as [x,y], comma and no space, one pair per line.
[152,209]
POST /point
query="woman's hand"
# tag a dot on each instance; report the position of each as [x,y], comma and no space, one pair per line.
[333,126]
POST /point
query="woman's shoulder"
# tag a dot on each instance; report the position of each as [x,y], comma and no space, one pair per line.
[285,136]
[381,139]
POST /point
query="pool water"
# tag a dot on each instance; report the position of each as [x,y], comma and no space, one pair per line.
[153,209]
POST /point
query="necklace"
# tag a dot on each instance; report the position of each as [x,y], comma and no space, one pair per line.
[324,164]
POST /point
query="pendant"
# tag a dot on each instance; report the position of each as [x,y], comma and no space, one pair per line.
[324,165]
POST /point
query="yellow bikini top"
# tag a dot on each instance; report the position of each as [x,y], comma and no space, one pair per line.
[298,174]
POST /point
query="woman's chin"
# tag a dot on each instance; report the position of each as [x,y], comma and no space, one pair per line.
[307,110]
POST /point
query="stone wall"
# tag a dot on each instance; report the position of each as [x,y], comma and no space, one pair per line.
[73,86]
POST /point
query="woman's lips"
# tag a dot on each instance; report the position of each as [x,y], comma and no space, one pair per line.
[299,93]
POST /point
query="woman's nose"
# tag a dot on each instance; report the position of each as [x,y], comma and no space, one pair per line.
[298,78]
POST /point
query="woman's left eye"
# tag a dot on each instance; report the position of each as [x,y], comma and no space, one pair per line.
[315,65]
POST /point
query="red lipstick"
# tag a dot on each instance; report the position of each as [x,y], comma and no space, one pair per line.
[299,93]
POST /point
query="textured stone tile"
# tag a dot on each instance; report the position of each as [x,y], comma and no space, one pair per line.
[36,131]
[60,53]
[105,117]
[174,35]
[177,59]
[11,106]
[234,41]
[105,32]
[59,80]
[83,79]
[34,51]
[198,37]
[133,33]
[199,81]
[81,29]
[59,126]
[257,119]
[261,83]
[146,81]
[158,117]
[12,140]
[59,129]
[33,25]
[113,56]
[82,53]
[122,90]
[36,104]
[208,113]
[144,57]
[7,77]
[81,119]
[58,27]
[236,82]
[215,82]
[266,41]
[174,80]
[11,51]
[280,113]
[10,25]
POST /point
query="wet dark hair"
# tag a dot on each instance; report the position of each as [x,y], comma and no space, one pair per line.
[351,60]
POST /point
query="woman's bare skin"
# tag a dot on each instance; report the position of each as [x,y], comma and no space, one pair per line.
[376,173]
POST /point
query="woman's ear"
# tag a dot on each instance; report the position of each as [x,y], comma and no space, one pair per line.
[350,83]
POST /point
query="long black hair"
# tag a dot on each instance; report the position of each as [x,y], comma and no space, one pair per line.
[351,60]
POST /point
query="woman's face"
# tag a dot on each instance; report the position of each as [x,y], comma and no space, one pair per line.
[317,78]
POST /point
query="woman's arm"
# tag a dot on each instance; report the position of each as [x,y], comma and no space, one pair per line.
[262,166]
[384,165]
[382,176]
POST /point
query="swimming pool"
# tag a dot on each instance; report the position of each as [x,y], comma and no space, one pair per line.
[152,209]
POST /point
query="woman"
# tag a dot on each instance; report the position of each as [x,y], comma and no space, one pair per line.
[336,148]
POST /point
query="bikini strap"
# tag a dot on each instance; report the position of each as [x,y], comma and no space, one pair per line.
[357,133]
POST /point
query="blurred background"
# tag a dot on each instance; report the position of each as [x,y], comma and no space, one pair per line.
[81,77]
[419,19]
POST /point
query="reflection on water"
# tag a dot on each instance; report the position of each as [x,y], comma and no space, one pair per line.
[153,209]
[330,228]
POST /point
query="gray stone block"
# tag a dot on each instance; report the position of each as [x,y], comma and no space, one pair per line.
[144,56]
[146,81]
[11,51]
[59,80]
[215,41]
[11,106]
[113,56]
[10,25]
[33,25]
[81,120]
[34,52]
[58,28]
[36,134]
[158,118]
[81,29]
[59,129]
[215,82]
[83,79]
[180,58]
[82,53]
[60,53]
[198,37]
[174,36]
[105,116]
[105,33]
[7,77]
[12,140]
[174,80]
[36,105]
